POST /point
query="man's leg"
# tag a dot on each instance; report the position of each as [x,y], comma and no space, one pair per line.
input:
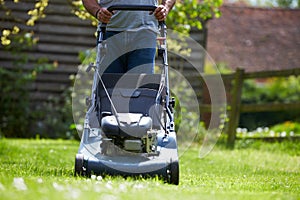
[142,45]
[114,60]
[141,61]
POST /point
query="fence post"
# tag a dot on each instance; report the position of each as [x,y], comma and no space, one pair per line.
[235,107]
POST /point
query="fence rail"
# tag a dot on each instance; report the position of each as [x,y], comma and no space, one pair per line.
[235,93]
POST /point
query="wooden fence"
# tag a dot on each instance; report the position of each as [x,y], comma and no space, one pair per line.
[234,93]
[61,36]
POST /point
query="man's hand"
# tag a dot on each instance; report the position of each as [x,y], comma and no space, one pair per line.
[161,12]
[103,15]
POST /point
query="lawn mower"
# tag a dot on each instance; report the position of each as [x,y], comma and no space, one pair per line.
[129,125]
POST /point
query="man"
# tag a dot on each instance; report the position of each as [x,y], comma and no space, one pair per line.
[132,34]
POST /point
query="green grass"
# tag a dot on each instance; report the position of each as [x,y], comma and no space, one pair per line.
[43,169]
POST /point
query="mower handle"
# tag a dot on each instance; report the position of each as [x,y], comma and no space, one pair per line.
[131,7]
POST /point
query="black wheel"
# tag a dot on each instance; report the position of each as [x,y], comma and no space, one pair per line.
[174,172]
[79,165]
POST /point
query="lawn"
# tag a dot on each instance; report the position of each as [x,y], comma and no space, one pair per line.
[43,169]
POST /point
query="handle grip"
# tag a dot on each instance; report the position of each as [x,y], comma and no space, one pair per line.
[131,7]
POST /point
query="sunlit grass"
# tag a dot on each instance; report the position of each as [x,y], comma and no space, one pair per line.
[43,169]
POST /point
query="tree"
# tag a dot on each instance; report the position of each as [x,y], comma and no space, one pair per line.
[190,13]
[285,3]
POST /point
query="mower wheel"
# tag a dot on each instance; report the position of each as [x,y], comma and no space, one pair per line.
[79,165]
[174,172]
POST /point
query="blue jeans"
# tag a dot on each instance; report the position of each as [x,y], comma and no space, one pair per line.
[132,52]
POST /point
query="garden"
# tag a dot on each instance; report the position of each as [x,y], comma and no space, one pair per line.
[38,142]
[44,169]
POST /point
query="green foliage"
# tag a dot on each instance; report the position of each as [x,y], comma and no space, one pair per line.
[53,118]
[217,68]
[186,115]
[287,127]
[273,90]
[272,3]
[14,100]
[15,84]
[13,103]
[283,90]
[281,3]
[190,13]
[284,3]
